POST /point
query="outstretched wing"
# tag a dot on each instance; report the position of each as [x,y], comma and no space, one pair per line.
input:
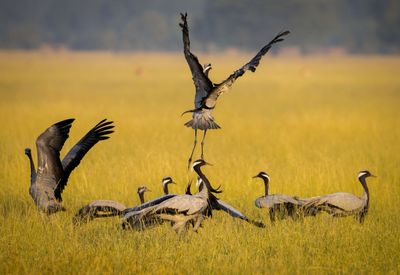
[49,145]
[149,203]
[221,205]
[201,81]
[211,99]
[75,155]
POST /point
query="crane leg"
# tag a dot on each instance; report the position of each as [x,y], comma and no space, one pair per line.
[194,147]
[202,144]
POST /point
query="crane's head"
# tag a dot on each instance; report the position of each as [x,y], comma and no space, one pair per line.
[198,163]
[142,189]
[167,180]
[28,151]
[262,175]
[365,174]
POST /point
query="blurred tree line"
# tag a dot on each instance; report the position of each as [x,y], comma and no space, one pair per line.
[358,26]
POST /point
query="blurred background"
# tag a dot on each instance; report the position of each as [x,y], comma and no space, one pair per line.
[318,26]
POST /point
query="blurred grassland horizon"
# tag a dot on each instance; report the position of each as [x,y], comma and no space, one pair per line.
[358,26]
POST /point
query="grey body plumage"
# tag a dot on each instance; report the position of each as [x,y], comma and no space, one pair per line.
[48,183]
[208,92]
[343,204]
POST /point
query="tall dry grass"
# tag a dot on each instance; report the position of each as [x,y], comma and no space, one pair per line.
[311,123]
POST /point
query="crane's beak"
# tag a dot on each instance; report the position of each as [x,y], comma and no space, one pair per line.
[256,176]
[373,176]
[207,163]
[172,182]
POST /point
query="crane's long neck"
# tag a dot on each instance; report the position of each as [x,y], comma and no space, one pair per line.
[366,191]
[165,188]
[204,191]
[266,184]
[33,170]
[141,196]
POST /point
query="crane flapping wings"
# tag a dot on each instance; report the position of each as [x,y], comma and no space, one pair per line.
[75,155]
[49,145]
[202,83]
[211,98]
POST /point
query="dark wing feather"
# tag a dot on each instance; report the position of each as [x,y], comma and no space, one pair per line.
[221,205]
[201,81]
[211,99]
[49,145]
[149,203]
[75,155]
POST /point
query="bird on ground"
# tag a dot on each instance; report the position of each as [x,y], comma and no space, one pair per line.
[344,204]
[104,208]
[48,183]
[208,92]
[181,210]
[279,206]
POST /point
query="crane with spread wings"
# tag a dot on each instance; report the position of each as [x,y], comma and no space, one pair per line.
[208,92]
[48,183]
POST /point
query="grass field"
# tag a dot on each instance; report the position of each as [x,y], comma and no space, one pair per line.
[311,123]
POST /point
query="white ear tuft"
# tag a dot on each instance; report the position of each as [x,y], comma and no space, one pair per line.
[197,162]
[362,173]
[166,180]
[265,175]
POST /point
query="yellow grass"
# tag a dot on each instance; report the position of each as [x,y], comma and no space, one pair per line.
[311,123]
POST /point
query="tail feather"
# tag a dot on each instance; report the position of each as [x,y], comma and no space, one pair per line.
[202,124]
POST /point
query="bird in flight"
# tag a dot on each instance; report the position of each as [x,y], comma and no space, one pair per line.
[208,92]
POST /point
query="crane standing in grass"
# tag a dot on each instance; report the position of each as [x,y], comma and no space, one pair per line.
[48,183]
[278,205]
[208,92]
[343,204]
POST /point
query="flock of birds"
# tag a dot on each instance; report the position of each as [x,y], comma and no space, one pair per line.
[184,210]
